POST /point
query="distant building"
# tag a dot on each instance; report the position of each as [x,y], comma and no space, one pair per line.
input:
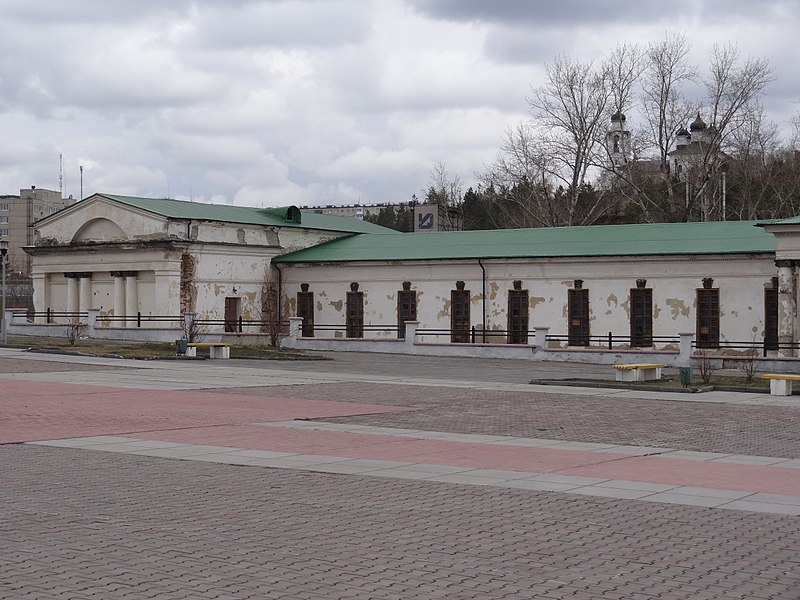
[359,211]
[17,216]
[435,217]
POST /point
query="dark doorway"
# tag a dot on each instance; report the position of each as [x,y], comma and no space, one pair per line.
[641,317]
[578,315]
[355,314]
[305,309]
[517,316]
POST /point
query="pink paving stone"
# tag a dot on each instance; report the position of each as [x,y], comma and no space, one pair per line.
[651,469]
[39,411]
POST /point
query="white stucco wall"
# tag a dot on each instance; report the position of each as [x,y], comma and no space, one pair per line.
[674,281]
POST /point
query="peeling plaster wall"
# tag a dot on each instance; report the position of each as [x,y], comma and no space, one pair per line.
[674,282]
[220,269]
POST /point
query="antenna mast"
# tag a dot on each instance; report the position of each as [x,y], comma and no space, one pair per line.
[61,174]
[81,168]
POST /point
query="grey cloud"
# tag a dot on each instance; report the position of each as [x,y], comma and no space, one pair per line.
[282,24]
[561,12]
[572,13]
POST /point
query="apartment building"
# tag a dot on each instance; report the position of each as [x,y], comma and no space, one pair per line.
[17,216]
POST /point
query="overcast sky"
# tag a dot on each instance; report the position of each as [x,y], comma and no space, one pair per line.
[307,102]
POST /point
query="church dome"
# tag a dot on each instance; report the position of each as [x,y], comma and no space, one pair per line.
[617,117]
[698,124]
[683,133]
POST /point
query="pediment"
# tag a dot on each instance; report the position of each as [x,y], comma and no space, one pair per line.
[98,219]
[99,230]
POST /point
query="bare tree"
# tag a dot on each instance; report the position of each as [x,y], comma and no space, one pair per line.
[756,177]
[518,185]
[569,117]
[74,329]
[732,91]
[274,313]
[445,190]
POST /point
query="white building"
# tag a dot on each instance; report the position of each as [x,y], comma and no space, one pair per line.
[723,281]
[128,256]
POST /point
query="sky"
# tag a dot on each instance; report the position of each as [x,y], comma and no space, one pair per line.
[314,102]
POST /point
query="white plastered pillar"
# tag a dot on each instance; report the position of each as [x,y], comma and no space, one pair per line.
[72,292]
[787,306]
[131,295]
[40,296]
[119,297]
[84,291]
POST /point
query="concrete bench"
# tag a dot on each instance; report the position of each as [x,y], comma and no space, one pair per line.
[780,385]
[215,349]
[638,372]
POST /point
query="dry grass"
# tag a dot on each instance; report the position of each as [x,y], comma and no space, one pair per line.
[149,350]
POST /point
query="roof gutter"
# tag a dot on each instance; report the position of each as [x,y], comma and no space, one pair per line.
[483,282]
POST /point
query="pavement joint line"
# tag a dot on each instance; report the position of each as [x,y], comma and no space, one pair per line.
[470,438]
[555,482]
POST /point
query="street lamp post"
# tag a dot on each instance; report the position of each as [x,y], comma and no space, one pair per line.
[3,324]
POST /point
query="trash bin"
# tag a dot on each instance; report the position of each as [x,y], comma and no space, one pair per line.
[181,346]
[686,376]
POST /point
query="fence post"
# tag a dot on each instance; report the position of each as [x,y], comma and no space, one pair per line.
[411,333]
[240,324]
[139,319]
[92,315]
[295,331]
[610,341]
[540,336]
[48,316]
[686,341]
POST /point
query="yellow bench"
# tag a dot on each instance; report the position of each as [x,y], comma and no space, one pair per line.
[215,349]
[638,372]
[780,385]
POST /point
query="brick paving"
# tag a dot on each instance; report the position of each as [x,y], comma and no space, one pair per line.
[705,427]
[79,524]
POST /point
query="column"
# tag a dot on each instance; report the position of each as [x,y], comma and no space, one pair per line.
[84,291]
[72,292]
[40,296]
[786,305]
[131,296]
[119,297]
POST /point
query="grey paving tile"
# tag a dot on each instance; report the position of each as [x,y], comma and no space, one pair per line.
[341,468]
[584,446]
[262,454]
[467,479]
[634,450]
[225,458]
[641,486]
[763,507]
[685,499]
[436,469]
[539,486]
[402,474]
[568,479]
[609,492]
[711,492]
[743,459]
[775,498]
[690,455]
[502,474]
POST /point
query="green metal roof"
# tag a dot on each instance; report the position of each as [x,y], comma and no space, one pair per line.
[728,237]
[789,221]
[227,213]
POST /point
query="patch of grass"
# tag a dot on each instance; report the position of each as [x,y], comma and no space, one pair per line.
[151,350]
[717,381]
